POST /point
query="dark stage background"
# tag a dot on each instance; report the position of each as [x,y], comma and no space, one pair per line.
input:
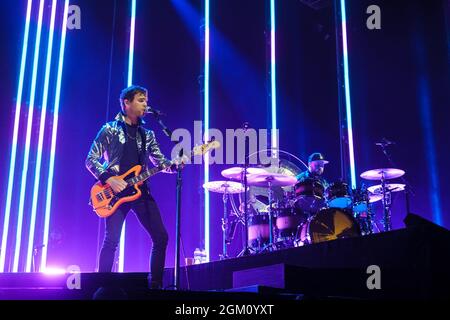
[399,80]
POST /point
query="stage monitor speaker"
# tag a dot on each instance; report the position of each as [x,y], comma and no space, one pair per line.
[413,220]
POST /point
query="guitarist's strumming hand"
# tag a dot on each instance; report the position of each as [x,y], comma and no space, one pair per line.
[117,184]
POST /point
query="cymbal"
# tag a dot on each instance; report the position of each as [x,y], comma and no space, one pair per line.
[272,179]
[377,174]
[235,173]
[392,187]
[375,197]
[224,187]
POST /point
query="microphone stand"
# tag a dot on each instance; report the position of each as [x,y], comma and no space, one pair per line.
[168,133]
[408,189]
[35,263]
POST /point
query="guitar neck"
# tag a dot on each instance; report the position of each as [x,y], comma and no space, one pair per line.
[144,175]
[151,172]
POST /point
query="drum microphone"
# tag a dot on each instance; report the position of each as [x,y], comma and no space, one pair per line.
[151,110]
[384,142]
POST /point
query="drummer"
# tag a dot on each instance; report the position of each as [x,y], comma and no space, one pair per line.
[316,167]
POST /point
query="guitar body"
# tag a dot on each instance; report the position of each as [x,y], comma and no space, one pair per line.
[105,202]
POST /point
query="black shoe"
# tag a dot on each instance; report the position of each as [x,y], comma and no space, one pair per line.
[155,285]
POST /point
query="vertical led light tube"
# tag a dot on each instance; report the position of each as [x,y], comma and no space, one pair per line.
[48,201]
[129,83]
[274,134]
[26,156]
[12,163]
[37,175]
[348,107]
[206,128]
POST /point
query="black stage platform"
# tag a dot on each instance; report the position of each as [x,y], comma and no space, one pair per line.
[413,264]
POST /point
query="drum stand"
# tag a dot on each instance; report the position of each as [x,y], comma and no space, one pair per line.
[368,225]
[224,227]
[386,205]
[374,225]
[270,246]
[270,215]
[247,250]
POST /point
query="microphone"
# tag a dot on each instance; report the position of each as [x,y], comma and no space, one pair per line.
[149,109]
[384,142]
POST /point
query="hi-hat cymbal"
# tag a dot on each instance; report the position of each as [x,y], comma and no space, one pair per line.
[386,173]
[235,173]
[375,197]
[392,187]
[224,186]
[272,179]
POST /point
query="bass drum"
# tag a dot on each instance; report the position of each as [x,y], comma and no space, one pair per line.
[328,224]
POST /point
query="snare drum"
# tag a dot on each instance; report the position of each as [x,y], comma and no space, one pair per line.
[328,224]
[338,195]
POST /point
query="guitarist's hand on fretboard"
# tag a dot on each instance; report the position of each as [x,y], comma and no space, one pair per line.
[179,161]
[117,184]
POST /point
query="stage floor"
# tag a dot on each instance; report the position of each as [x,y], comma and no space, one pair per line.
[410,263]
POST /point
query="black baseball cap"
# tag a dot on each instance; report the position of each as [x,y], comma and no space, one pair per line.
[316,157]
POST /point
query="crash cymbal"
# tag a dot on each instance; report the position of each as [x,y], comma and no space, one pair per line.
[235,173]
[272,179]
[224,186]
[392,187]
[387,173]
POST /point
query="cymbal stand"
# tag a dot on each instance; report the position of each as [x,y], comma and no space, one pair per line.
[246,251]
[270,245]
[224,226]
[408,188]
[386,204]
[270,215]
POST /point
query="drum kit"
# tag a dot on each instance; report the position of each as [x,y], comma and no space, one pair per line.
[307,212]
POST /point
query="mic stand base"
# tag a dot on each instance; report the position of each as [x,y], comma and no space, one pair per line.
[246,252]
[178,231]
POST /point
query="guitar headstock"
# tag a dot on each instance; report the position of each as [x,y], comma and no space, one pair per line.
[204,148]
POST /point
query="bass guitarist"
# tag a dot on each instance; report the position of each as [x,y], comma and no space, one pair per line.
[123,144]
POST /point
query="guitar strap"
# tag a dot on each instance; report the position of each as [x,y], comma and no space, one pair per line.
[144,146]
[142,157]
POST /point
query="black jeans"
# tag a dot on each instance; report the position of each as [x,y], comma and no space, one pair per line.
[149,217]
